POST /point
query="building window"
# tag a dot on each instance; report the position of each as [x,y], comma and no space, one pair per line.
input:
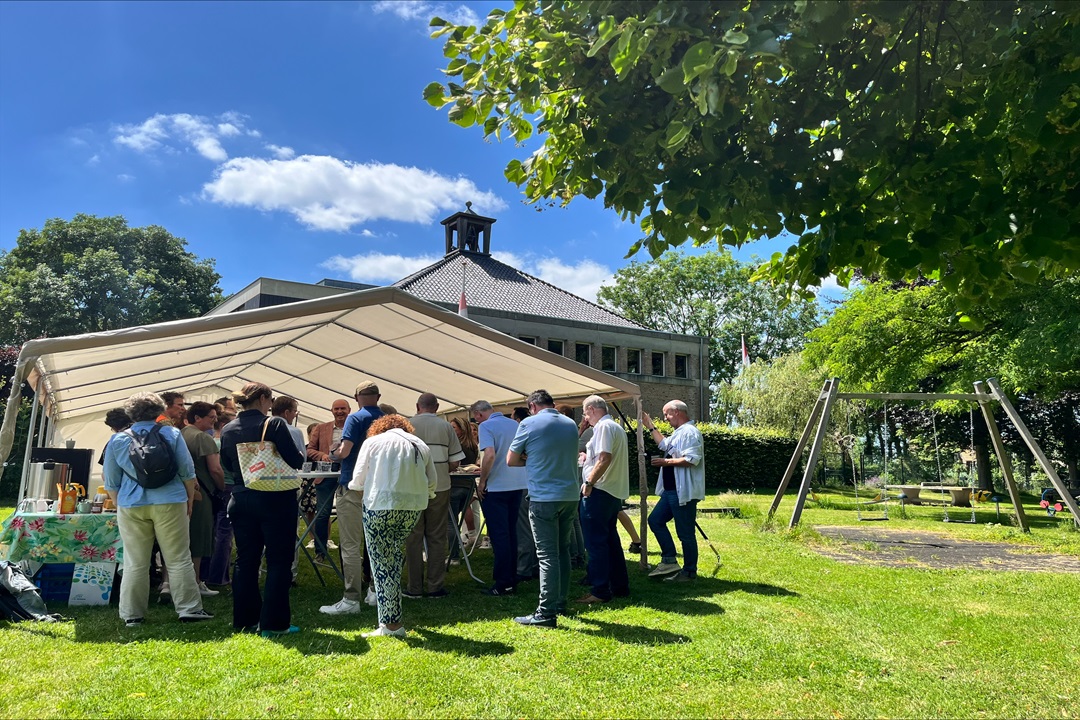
[657,363]
[526,338]
[607,358]
[633,362]
[555,346]
[583,353]
[682,366]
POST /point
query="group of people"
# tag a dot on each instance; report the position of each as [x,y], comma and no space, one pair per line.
[395,497]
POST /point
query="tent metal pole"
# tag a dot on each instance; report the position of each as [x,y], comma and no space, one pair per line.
[1037,451]
[1002,454]
[43,441]
[790,471]
[30,439]
[643,490]
[815,453]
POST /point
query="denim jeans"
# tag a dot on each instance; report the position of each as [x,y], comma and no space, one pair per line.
[552,526]
[324,503]
[263,520]
[685,517]
[607,564]
[501,513]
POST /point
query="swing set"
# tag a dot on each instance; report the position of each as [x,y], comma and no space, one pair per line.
[984,395]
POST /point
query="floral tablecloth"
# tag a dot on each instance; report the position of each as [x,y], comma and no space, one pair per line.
[52,538]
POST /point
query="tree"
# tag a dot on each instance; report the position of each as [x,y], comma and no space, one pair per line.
[91,274]
[777,394]
[906,338]
[927,138]
[711,295]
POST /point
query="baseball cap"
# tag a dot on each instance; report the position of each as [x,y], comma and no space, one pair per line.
[367,388]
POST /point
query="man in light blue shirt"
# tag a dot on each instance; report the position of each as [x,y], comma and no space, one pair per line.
[680,486]
[547,445]
[144,515]
[500,489]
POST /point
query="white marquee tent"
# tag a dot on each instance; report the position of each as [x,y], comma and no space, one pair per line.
[316,351]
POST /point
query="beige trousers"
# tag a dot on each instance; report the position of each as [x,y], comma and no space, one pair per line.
[139,527]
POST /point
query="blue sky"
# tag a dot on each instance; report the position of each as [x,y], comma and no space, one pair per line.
[285,140]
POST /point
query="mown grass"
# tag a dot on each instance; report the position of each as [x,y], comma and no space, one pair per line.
[781,631]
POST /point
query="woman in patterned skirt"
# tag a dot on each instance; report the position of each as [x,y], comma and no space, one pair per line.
[395,473]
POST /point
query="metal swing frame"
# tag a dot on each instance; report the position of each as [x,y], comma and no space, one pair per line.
[984,395]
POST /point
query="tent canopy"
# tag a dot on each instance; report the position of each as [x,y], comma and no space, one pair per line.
[315,351]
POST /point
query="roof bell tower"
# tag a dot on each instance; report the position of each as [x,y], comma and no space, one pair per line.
[468,232]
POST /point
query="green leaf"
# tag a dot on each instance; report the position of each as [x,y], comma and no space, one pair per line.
[434,95]
[604,32]
[671,81]
[676,136]
[731,63]
[736,37]
[697,60]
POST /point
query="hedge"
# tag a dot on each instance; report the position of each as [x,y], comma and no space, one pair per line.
[735,458]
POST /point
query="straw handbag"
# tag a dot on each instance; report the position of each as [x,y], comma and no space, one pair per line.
[263,467]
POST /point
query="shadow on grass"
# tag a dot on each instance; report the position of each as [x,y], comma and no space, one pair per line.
[429,639]
[632,634]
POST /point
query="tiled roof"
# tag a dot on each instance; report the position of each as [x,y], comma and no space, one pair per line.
[497,286]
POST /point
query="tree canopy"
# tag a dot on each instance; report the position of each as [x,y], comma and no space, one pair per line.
[929,138]
[711,295]
[91,274]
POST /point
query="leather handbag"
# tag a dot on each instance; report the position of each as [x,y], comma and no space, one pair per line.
[263,467]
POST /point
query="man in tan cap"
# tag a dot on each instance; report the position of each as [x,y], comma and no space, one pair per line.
[350,502]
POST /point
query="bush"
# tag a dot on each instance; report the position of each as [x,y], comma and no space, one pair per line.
[735,458]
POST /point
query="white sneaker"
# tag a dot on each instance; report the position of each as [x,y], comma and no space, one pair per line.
[310,545]
[372,599]
[383,631]
[331,545]
[344,606]
[207,592]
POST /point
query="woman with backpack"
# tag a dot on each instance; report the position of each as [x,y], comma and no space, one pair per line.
[150,476]
[262,520]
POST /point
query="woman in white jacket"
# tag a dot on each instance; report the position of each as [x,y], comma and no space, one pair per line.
[395,473]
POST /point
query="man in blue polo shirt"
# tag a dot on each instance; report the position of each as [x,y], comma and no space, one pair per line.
[501,489]
[350,502]
[547,445]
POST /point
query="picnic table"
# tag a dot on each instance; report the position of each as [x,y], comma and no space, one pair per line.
[961,496]
[910,492]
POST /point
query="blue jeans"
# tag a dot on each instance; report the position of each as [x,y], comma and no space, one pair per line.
[324,503]
[552,526]
[607,564]
[216,572]
[501,513]
[685,517]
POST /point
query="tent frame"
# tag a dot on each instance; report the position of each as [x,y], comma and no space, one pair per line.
[984,394]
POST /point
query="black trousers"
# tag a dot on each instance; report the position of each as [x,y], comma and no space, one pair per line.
[263,521]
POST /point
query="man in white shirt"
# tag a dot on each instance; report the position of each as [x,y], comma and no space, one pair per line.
[680,486]
[605,476]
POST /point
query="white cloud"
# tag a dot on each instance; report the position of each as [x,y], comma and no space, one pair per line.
[125,178]
[281,152]
[199,132]
[376,267]
[422,10]
[326,193]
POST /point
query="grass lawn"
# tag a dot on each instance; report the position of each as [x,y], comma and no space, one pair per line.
[781,631]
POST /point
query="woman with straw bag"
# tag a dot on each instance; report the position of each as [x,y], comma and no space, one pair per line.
[260,455]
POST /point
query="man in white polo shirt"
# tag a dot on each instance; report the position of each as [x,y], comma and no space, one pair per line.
[605,476]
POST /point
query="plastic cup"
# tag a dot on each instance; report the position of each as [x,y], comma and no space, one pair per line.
[306,467]
[325,466]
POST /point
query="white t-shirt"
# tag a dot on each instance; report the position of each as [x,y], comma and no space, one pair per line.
[608,436]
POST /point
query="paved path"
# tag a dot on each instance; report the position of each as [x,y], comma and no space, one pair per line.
[921,549]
